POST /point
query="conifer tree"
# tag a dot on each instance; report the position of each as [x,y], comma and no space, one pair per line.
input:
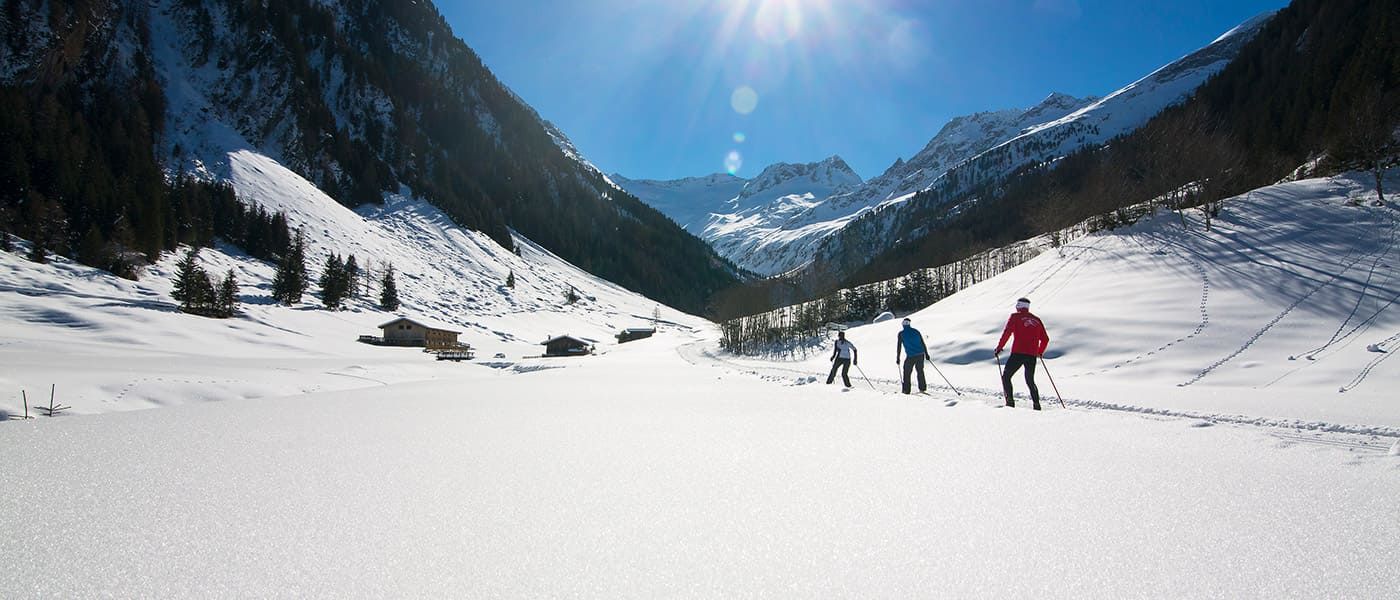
[333,283]
[290,282]
[190,281]
[389,296]
[352,277]
[228,296]
[510,280]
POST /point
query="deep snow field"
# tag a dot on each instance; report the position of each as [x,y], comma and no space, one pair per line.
[1195,458]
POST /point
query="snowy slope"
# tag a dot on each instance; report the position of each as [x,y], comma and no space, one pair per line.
[1196,459]
[444,273]
[1286,312]
[745,220]
[689,201]
[1068,125]
[664,469]
[960,140]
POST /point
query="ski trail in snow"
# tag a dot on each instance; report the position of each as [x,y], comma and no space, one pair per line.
[1347,264]
[1361,296]
[1049,272]
[1366,371]
[698,354]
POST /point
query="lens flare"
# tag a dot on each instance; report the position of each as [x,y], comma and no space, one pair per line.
[744,100]
[733,162]
[739,137]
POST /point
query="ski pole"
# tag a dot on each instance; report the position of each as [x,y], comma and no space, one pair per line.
[1052,382]
[940,374]
[999,373]
[862,376]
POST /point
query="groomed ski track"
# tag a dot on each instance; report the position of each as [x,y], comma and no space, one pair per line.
[1363,438]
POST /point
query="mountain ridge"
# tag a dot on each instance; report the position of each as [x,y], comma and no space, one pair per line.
[364,98]
[845,226]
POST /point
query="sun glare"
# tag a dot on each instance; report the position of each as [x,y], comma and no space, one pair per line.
[778,21]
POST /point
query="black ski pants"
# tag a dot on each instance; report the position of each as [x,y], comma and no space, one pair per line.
[914,362]
[845,365]
[1013,363]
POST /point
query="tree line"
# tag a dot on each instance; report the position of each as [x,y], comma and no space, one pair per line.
[341,280]
[802,325]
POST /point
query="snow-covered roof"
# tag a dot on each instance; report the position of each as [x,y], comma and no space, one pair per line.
[566,337]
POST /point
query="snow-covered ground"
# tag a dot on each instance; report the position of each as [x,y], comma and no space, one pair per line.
[1287,310]
[1195,458]
[111,344]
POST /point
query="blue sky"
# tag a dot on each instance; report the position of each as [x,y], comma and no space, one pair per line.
[662,89]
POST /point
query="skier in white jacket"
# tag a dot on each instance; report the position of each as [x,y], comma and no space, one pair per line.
[842,357]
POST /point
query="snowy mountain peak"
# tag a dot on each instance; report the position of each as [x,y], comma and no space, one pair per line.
[684,182]
[772,226]
[830,174]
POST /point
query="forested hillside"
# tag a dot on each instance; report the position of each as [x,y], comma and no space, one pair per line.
[106,101]
[1319,78]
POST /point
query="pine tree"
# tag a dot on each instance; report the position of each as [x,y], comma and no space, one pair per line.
[333,283]
[389,296]
[189,276]
[228,296]
[290,282]
[352,277]
[570,295]
[510,280]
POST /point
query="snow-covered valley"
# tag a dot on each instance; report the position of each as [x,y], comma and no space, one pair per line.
[1207,448]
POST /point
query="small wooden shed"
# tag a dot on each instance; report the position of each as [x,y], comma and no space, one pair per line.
[404,331]
[567,345]
[634,333]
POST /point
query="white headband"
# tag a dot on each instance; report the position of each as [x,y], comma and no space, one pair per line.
[1020,304]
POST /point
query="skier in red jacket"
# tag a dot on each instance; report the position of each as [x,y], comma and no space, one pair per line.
[1031,341]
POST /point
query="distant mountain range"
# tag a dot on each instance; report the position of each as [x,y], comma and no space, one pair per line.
[823,210]
[753,222]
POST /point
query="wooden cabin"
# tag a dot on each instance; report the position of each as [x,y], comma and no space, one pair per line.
[404,331]
[566,345]
[634,333]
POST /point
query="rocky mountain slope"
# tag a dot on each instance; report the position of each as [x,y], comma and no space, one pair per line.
[363,98]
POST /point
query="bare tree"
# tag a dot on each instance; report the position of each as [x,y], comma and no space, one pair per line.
[1367,137]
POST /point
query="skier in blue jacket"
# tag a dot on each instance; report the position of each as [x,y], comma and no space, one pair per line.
[912,343]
